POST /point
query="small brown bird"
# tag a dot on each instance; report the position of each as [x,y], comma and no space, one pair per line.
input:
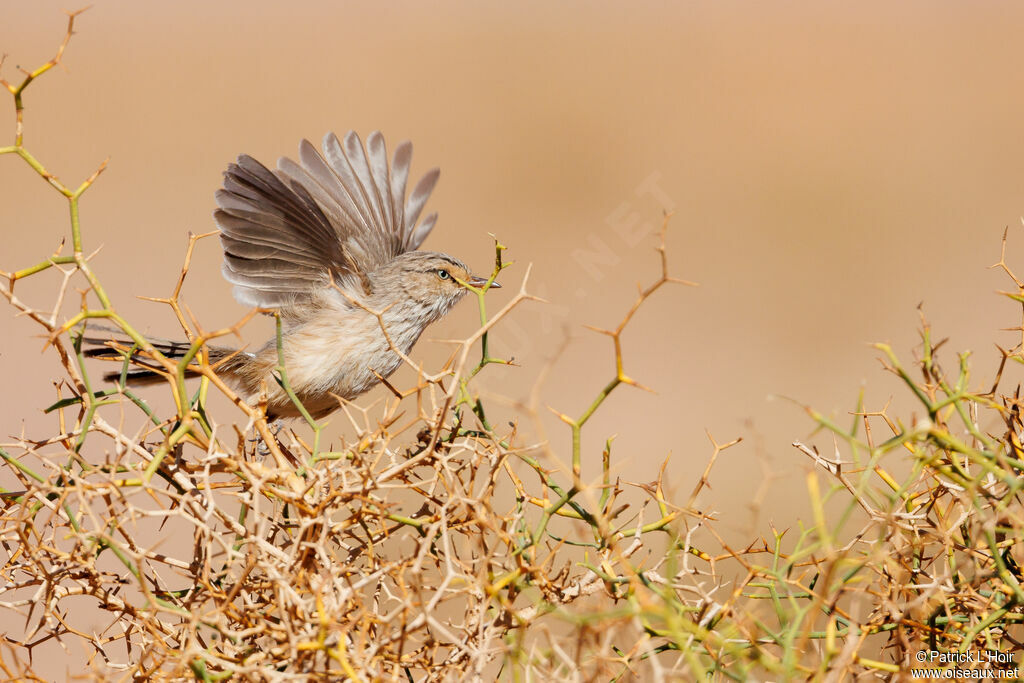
[330,242]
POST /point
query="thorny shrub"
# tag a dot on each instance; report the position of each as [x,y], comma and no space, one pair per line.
[438,546]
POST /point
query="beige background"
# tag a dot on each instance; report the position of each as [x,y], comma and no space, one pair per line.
[831,165]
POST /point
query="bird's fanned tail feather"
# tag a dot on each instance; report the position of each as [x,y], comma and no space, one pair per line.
[145,371]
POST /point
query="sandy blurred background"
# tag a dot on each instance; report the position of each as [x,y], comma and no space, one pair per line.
[831,166]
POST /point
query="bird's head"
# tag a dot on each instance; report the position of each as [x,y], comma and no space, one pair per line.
[426,280]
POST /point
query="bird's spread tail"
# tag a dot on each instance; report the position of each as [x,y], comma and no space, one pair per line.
[143,369]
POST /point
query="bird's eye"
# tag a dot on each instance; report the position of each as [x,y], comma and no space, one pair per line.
[443,274]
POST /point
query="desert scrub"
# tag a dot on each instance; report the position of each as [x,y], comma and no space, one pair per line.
[433,544]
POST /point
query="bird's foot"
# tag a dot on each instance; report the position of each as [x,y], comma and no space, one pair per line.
[261,444]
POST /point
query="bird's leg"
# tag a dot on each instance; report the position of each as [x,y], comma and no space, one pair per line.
[275,429]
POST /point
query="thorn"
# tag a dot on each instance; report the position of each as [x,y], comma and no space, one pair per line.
[600,330]
[625,379]
[562,416]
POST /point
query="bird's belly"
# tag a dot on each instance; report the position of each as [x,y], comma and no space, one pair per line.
[345,360]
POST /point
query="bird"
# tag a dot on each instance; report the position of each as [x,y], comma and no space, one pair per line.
[331,243]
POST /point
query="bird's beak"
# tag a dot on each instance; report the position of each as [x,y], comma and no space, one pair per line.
[477,281]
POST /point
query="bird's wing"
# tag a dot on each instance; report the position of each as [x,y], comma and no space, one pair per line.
[331,217]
